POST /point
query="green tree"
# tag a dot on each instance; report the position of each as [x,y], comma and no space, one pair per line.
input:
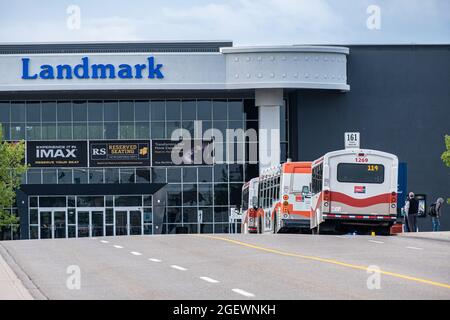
[446,155]
[12,168]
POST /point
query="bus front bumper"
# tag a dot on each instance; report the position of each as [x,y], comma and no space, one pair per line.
[295,223]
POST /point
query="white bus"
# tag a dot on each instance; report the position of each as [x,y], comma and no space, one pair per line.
[282,201]
[354,190]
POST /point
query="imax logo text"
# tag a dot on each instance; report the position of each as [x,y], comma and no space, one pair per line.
[85,70]
[58,153]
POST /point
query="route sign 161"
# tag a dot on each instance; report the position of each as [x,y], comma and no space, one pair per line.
[351,140]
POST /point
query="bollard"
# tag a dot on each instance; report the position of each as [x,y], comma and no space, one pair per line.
[373,234]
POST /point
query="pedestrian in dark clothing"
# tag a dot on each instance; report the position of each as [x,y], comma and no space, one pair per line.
[435,219]
[412,208]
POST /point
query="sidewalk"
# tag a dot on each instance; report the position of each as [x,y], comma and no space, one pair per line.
[11,288]
[442,235]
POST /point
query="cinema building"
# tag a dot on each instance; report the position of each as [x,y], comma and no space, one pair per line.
[98,120]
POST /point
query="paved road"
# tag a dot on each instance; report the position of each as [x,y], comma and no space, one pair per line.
[237,267]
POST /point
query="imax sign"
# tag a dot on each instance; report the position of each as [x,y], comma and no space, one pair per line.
[85,70]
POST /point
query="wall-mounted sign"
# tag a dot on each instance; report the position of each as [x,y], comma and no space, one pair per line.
[86,70]
[57,154]
[119,153]
[184,153]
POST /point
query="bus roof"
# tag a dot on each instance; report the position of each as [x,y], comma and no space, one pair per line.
[354,151]
[289,167]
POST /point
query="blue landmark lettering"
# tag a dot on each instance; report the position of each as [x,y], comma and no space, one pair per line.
[85,70]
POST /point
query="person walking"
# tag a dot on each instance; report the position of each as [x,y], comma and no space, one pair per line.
[436,215]
[412,209]
[405,216]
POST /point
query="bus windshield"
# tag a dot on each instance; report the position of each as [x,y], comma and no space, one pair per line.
[360,173]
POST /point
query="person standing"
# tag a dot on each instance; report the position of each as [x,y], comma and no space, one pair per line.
[405,216]
[435,219]
[412,209]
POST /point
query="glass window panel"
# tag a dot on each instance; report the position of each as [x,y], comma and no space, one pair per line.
[173,174]
[33,131]
[236,172]
[64,111]
[142,130]
[205,174]
[174,215]
[189,110]
[111,110]
[128,201]
[5,127]
[189,194]
[64,131]
[48,111]
[171,127]
[109,201]
[90,201]
[33,202]
[49,176]
[251,111]
[173,110]
[207,214]
[148,216]
[17,131]
[17,111]
[109,216]
[219,109]
[142,175]
[158,110]
[204,110]
[95,110]
[126,130]
[189,126]
[111,175]
[220,194]
[71,215]
[49,131]
[5,115]
[34,232]
[33,111]
[65,176]
[205,194]
[142,110]
[34,216]
[79,131]
[148,229]
[80,176]
[222,126]
[173,194]
[34,176]
[235,110]
[221,228]
[190,215]
[53,202]
[159,175]
[158,130]
[220,214]
[147,200]
[126,111]
[189,174]
[126,175]
[95,130]
[111,130]
[221,173]
[235,193]
[96,176]
[207,228]
[79,110]
[235,125]
[71,201]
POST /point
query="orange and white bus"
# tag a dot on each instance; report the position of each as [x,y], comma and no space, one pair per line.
[283,199]
[249,206]
[354,190]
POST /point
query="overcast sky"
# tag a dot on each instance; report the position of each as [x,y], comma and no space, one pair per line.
[246,22]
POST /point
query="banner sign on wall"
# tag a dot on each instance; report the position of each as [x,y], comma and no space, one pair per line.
[186,152]
[44,154]
[119,153]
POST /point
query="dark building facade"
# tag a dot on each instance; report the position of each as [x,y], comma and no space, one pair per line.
[397,97]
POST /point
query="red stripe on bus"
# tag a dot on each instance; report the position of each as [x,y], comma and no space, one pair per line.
[354,202]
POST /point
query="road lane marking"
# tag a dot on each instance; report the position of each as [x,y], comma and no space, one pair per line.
[210,280]
[342,237]
[118,247]
[104,241]
[243,292]
[135,253]
[329,261]
[178,267]
[154,260]
[375,241]
[414,248]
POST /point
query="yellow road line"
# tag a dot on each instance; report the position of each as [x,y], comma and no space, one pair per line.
[330,261]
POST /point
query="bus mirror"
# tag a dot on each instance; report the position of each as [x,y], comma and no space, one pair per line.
[305,190]
[254,201]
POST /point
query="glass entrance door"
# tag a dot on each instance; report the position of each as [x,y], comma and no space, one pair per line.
[128,222]
[83,224]
[46,225]
[59,223]
[97,223]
